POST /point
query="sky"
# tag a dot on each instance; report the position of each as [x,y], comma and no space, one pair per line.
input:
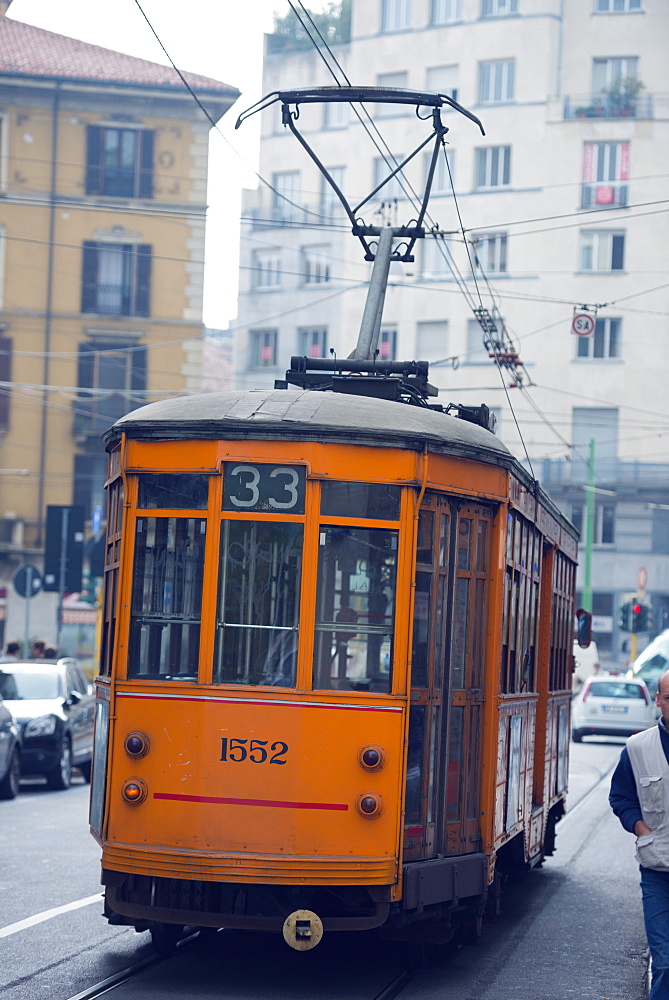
[216,38]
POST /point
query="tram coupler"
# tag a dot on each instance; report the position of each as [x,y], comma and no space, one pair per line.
[302,930]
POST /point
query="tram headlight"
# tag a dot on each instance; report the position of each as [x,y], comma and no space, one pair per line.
[134,791]
[137,744]
[372,757]
[369,805]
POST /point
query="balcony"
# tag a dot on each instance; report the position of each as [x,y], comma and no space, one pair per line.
[604,194]
[640,106]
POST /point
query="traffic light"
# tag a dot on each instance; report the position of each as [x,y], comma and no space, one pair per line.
[625,617]
[642,617]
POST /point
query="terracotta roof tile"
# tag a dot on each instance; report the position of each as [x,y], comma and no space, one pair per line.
[30,51]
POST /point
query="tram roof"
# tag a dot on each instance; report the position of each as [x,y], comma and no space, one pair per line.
[300,414]
[320,416]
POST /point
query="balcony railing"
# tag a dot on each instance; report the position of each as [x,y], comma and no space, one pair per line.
[94,415]
[619,106]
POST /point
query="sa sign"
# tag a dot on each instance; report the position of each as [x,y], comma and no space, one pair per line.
[583,324]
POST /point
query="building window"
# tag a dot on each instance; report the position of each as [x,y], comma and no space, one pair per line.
[266,270]
[603,343]
[393,81]
[392,191]
[498,8]
[443,80]
[602,251]
[617,6]
[111,381]
[441,180]
[598,424]
[432,340]
[496,81]
[90,472]
[605,174]
[476,354]
[331,208]
[4,150]
[607,73]
[312,343]
[493,167]
[116,279]
[387,346]
[119,162]
[395,15]
[444,11]
[316,265]
[335,114]
[286,205]
[660,544]
[434,260]
[490,250]
[263,348]
[604,524]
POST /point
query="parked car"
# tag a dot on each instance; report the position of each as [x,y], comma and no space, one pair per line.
[10,753]
[611,706]
[54,706]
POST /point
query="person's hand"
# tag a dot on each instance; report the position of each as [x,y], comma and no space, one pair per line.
[641,829]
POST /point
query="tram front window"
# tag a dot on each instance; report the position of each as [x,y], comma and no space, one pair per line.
[166,598]
[355,606]
[258,603]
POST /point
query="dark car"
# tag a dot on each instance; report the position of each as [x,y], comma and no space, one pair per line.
[10,749]
[53,704]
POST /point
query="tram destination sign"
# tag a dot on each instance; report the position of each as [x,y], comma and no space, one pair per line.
[272,489]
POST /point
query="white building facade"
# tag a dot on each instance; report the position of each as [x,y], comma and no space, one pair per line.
[563,205]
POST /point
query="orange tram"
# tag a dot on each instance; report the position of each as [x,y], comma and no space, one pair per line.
[335,662]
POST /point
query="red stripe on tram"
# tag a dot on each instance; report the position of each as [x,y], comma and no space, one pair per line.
[273,804]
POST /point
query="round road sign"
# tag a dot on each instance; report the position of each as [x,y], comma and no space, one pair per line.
[27,581]
[583,324]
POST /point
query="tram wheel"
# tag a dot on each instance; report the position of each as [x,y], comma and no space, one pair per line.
[165,938]
[86,771]
[61,776]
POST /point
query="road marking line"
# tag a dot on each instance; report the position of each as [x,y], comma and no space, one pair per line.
[38,918]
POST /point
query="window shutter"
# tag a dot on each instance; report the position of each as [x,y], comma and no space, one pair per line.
[617,254]
[93,159]
[85,367]
[146,164]
[5,376]
[89,278]
[138,370]
[143,279]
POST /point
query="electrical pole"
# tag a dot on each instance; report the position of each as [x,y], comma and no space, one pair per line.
[589,529]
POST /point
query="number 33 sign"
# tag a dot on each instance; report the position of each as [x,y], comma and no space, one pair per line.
[583,324]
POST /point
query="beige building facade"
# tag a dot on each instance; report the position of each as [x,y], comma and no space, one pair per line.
[103,186]
[562,203]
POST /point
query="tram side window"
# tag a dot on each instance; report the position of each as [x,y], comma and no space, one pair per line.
[166,598]
[258,603]
[564,572]
[355,607]
[173,491]
[369,500]
[521,601]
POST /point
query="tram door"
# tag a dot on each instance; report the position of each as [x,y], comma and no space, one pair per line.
[446,707]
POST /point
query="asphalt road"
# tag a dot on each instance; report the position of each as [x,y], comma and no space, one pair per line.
[570,930]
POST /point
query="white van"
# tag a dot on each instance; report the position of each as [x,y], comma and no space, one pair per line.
[585,661]
[653,661]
